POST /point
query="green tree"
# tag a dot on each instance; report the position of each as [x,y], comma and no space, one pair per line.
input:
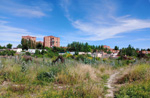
[79,47]
[116,48]
[28,44]
[129,51]
[9,46]
[39,46]
[19,46]
[109,52]
[24,44]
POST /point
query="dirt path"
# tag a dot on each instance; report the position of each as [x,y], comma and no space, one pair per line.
[110,83]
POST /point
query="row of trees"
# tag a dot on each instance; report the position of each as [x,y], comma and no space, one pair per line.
[77,46]
[8,46]
[129,51]
[85,47]
[29,44]
[7,52]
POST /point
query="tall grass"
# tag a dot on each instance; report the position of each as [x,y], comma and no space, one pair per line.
[138,79]
[72,79]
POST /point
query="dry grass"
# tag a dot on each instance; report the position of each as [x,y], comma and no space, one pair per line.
[135,73]
[83,80]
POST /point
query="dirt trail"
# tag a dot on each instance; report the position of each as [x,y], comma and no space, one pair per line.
[110,84]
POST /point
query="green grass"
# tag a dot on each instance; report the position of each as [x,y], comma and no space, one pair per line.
[138,90]
[74,79]
[39,78]
[138,79]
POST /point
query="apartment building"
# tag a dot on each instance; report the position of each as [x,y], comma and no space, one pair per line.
[29,37]
[51,41]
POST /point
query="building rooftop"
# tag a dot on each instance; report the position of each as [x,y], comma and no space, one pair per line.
[29,36]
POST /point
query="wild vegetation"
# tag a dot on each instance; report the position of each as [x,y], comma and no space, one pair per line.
[40,77]
[137,80]
[43,74]
[82,76]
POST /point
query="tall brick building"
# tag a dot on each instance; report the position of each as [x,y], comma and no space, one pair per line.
[29,37]
[51,41]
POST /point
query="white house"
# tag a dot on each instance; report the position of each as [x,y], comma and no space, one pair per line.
[97,54]
[33,50]
[18,50]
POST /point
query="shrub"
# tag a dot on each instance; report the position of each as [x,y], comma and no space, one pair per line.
[46,76]
[138,72]
[141,90]
[28,53]
[50,75]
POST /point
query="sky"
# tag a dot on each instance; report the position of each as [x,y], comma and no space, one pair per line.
[98,22]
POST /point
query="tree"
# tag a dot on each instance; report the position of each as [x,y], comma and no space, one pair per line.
[137,49]
[37,52]
[79,47]
[109,52]
[19,46]
[148,49]
[2,47]
[26,44]
[102,47]
[39,46]
[116,48]
[9,46]
[129,51]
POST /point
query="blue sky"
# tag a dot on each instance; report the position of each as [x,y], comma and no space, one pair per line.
[98,22]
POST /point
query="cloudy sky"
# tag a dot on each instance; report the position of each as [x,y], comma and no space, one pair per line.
[98,22]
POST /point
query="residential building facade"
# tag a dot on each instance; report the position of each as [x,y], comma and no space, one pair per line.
[51,41]
[29,37]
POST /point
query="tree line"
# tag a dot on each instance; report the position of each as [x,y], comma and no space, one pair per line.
[76,47]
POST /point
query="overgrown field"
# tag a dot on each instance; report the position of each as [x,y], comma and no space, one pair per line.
[137,80]
[40,78]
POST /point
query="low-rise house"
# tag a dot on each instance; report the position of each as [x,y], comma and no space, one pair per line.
[114,55]
[108,47]
[97,54]
[18,50]
[145,52]
[73,53]
[101,54]
[62,53]
[114,51]
[3,49]
[33,50]
[106,55]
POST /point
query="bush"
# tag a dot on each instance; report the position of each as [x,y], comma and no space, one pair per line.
[138,72]
[141,90]
[49,76]
[46,76]
[28,53]
[8,52]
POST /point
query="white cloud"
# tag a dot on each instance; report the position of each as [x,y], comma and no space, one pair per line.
[9,34]
[100,33]
[33,9]
[143,39]
[100,21]
[29,13]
